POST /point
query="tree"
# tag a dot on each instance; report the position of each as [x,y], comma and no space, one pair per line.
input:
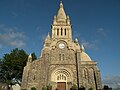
[106,87]
[34,57]
[11,66]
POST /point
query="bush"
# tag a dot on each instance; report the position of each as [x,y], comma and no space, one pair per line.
[44,88]
[90,89]
[49,87]
[106,87]
[33,88]
[74,87]
[82,88]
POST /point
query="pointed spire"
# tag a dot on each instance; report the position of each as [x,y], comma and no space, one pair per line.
[61,13]
[48,36]
[82,48]
[30,58]
[47,40]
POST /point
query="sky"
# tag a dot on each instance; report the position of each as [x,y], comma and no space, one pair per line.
[25,23]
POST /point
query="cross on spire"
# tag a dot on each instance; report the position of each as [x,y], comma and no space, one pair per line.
[60,1]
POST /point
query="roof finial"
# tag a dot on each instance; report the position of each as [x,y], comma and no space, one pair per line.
[60,1]
[61,5]
[82,48]
[76,40]
[30,58]
[48,36]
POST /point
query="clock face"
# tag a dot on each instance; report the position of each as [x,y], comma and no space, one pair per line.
[61,45]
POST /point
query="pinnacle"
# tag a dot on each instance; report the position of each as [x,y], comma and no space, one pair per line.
[82,48]
[30,56]
[48,36]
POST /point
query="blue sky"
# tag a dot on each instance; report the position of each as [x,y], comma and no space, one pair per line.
[96,23]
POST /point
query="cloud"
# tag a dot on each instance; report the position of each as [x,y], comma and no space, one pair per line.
[85,43]
[9,36]
[93,44]
[112,81]
[89,45]
[101,31]
[17,43]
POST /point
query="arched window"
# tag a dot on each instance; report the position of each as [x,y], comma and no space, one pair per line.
[57,31]
[61,57]
[85,73]
[61,31]
[65,31]
[34,77]
[58,78]
[61,77]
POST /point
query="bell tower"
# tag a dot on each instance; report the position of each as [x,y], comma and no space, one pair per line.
[61,27]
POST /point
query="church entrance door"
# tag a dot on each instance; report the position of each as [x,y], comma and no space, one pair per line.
[61,86]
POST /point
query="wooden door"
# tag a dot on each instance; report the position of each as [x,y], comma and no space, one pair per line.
[61,86]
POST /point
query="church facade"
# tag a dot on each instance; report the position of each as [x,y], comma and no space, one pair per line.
[63,62]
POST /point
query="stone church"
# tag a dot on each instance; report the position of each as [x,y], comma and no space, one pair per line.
[63,62]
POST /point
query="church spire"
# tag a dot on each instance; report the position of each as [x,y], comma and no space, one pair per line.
[61,13]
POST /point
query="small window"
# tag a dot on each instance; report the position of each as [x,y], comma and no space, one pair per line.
[65,31]
[63,56]
[85,73]
[58,31]
[34,77]
[61,31]
[61,77]
[60,57]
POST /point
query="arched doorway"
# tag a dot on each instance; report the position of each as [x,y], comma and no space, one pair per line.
[62,79]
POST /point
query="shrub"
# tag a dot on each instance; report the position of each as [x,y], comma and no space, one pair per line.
[44,88]
[74,87]
[33,88]
[82,88]
[90,89]
[49,87]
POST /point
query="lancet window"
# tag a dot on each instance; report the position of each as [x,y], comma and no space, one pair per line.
[61,31]
[85,73]
[61,77]
[57,31]
[65,31]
